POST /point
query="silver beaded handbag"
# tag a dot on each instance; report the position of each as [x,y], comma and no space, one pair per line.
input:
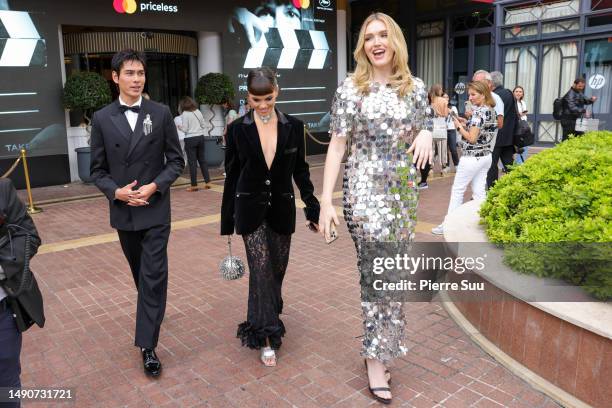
[231,267]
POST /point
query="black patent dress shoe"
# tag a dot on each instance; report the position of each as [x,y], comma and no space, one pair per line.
[152,365]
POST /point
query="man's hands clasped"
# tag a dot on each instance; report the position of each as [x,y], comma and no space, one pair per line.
[135,198]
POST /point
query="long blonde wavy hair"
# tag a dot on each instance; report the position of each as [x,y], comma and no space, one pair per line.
[401,77]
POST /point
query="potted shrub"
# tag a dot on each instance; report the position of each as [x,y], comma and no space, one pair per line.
[86,91]
[552,215]
[213,90]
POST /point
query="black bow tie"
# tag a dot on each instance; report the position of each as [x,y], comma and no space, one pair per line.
[124,108]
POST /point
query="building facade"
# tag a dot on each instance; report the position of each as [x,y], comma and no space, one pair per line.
[540,45]
[44,42]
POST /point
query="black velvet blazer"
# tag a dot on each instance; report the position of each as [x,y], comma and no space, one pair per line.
[253,192]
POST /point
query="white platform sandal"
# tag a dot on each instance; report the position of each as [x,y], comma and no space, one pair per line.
[268,357]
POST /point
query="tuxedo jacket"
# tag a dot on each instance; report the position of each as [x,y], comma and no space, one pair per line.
[253,192]
[119,156]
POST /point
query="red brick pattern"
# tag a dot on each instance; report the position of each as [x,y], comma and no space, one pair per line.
[87,342]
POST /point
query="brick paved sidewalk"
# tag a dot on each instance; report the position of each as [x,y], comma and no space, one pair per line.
[90,308]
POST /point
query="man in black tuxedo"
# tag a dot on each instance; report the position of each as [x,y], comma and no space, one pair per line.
[504,143]
[135,157]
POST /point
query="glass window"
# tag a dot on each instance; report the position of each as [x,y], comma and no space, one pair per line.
[520,66]
[559,69]
[520,32]
[460,71]
[430,60]
[482,51]
[599,20]
[597,68]
[432,28]
[565,26]
[478,19]
[541,10]
[597,5]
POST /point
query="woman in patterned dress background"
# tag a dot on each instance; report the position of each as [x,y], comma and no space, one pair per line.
[383,111]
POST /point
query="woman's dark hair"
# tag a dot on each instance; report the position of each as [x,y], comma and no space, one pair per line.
[434,92]
[261,81]
[448,96]
[521,88]
[187,104]
[127,55]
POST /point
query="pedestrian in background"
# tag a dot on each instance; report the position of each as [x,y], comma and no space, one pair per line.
[451,131]
[476,146]
[504,143]
[230,115]
[19,311]
[521,107]
[574,108]
[484,76]
[193,125]
[178,122]
[438,144]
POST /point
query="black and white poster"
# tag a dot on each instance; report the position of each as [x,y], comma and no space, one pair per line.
[297,38]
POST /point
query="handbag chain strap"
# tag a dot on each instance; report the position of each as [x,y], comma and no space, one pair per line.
[229,245]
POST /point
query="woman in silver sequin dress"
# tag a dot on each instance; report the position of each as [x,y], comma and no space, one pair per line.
[383,111]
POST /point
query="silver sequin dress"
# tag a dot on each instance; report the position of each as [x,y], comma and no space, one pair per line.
[380,195]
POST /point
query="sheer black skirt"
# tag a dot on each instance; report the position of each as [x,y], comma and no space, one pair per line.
[267,256]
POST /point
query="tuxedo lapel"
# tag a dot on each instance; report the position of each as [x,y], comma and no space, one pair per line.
[121,122]
[282,135]
[250,129]
[138,129]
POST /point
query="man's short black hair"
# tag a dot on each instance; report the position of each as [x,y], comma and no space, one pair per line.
[579,80]
[127,55]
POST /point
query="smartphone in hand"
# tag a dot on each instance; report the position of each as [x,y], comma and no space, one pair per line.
[333,233]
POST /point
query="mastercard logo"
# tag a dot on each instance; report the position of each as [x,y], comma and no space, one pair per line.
[125,6]
[304,4]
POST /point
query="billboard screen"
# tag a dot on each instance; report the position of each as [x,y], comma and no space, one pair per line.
[297,38]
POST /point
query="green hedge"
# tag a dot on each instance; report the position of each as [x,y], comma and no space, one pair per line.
[562,195]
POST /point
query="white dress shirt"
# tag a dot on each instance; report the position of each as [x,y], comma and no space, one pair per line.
[499,104]
[132,117]
[522,107]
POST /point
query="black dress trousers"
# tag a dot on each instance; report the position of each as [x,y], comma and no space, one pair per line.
[146,252]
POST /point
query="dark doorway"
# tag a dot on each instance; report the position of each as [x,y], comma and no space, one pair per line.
[167,76]
[168,79]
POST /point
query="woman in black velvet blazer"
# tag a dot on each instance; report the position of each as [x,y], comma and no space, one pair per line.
[264,153]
